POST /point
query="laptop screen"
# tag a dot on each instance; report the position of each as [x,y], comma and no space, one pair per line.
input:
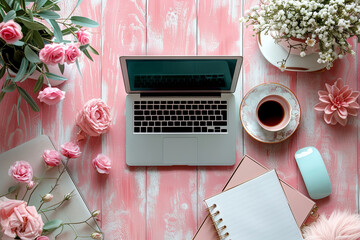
[180,74]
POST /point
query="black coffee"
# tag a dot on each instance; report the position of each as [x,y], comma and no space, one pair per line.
[271,113]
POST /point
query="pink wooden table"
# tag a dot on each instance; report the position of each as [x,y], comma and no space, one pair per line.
[167,202]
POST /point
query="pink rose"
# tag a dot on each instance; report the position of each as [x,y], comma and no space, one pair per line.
[21,171]
[43,238]
[102,164]
[51,95]
[52,158]
[18,219]
[83,36]
[94,119]
[72,52]
[70,150]
[10,32]
[30,185]
[53,54]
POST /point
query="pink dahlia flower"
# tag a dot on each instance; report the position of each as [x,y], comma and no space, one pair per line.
[337,103]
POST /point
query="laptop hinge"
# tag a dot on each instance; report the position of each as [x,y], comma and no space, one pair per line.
[181,94]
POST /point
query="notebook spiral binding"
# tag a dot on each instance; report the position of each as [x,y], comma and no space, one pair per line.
[221,229]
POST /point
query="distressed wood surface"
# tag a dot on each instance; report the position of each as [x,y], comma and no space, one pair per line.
[167,202]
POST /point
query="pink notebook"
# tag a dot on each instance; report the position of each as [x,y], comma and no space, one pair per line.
[248,168]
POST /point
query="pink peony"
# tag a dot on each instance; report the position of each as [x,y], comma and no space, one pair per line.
[10,32]
[102,164]
[70,150]
[18,219]
[53,54]
[72,52]
[52,158]
[43,238]
[337,103]
[51,95]
[21,171]
[94,119]
[83,36]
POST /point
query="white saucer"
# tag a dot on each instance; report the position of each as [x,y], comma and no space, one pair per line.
[248,113]
[274,53]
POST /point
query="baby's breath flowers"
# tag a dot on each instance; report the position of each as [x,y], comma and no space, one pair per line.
[326,23]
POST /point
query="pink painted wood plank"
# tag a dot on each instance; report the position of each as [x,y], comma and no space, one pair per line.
[124,190]
[59,121]
[337,144]
[219,33]
[257,71]
[171,191]
[12,134]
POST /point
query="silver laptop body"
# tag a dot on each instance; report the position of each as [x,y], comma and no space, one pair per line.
[180,110]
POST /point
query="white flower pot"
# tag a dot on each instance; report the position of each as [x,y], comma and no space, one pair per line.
[275,53]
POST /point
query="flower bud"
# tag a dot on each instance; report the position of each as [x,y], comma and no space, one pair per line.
[96,235]
[30,185]
[95,213]
[67,196]
[48,197]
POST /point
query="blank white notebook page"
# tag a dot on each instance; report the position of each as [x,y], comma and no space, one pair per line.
[255,210]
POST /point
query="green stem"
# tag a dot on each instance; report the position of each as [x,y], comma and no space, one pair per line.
[25,193]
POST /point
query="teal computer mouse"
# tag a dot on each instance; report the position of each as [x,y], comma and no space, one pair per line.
[314,173]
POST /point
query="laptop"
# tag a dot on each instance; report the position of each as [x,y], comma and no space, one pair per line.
[180,110]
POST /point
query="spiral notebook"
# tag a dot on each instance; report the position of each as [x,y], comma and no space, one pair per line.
[255,210]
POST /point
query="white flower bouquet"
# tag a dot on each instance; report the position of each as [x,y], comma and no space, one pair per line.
[305,26]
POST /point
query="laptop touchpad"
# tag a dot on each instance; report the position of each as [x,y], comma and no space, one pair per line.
[181,151]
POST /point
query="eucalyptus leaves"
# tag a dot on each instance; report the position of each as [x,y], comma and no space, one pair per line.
[330,23]
[32,36]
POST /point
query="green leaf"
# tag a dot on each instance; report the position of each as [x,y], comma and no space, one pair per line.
[32,70]
[28,99]
[78,67]
[9,88]
[2,72]
[93,50]
[18,43]
[38,84]
[52,225]
[32,25]
[12,189]
[67,31]
[31,55]
[17,111]
[49,14]
[28,36]
[86,52]
[22,4]
[37,39]
[22,70]
[9,16]
[40,3]
[57,30]
[62,68]
[83,47]
[5,5]
[55,77]
[83,21]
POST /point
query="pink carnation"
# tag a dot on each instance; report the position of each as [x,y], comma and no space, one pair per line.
[52,158]
[51,95]
[53,54]
[102,164]
[18,219]
[10,32]
[70,150]
[72,52]
[21,171]
[83,36]
[94,119]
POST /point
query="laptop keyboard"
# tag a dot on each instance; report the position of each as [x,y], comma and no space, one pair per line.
[180,117]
